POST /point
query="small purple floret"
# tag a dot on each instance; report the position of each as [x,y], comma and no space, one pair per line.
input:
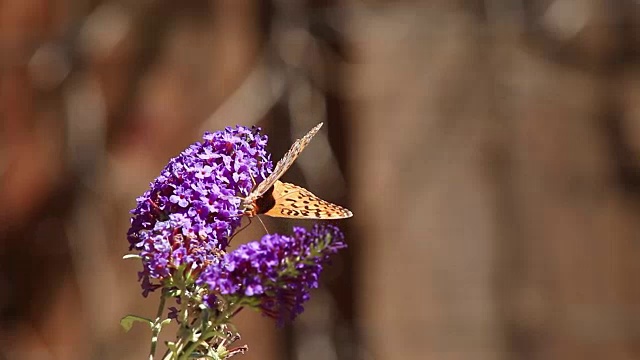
[279,270]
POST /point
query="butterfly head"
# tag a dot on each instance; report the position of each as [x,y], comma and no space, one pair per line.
[249,209]
[253,206]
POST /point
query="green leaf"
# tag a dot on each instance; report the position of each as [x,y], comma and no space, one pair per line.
[131,256]
[127,321]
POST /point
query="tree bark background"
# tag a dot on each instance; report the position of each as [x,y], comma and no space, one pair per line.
[488,149]
[494,172]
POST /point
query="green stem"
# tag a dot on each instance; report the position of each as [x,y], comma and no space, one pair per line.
[188,346]
[183,317]
[191,348]
[206,327]
[157,326]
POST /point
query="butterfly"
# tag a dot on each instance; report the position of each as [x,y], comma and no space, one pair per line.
[275,198]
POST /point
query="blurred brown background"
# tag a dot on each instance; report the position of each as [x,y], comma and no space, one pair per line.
[490,150]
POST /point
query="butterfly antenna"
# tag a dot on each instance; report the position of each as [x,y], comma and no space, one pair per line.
[265,228]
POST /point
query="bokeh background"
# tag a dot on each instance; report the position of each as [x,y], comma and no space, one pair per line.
[490,150]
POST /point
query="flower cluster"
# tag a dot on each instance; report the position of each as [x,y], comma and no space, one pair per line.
[190,211]
[181,228]
[278,271]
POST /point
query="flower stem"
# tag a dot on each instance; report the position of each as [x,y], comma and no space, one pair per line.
[190,349]
[157,326]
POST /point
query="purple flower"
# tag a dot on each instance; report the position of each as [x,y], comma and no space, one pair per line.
[192,208]
[278,271]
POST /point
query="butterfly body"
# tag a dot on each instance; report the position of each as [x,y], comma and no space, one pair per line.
[278,199]
[261,205]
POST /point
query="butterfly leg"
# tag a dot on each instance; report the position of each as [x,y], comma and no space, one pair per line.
[237,232]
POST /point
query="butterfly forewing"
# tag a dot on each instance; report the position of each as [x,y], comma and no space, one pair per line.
[295,202]
[283,165]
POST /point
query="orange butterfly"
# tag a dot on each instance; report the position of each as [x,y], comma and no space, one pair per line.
[277,199]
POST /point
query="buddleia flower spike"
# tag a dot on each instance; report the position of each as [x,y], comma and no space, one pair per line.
[181,228]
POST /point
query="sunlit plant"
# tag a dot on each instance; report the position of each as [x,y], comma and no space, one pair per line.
[181,229]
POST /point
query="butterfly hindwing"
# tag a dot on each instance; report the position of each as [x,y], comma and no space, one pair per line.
[292,201]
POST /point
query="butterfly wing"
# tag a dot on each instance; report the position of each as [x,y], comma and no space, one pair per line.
[295,202]
[283,165]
